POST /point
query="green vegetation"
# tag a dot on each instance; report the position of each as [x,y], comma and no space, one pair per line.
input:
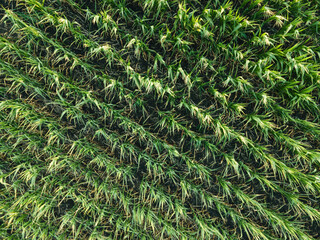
[158,119]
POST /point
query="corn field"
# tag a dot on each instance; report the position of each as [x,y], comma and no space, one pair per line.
[159,119]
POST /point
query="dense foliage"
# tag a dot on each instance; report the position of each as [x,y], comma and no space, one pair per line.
[160,119]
